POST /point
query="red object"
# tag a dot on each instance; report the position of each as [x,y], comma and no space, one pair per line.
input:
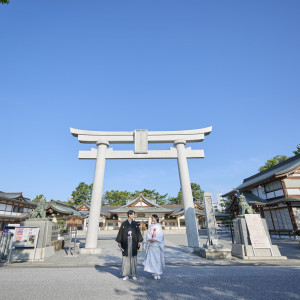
[153,234]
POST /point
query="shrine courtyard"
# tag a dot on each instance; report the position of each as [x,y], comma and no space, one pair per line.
[187,276]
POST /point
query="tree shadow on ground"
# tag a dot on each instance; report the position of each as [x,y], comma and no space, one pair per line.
[176,255]
[208,282]
[114,270]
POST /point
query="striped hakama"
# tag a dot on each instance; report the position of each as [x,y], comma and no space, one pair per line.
[129,263]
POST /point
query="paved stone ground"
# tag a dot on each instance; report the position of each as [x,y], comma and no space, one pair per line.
[178,282]
[187,276]
[175,241]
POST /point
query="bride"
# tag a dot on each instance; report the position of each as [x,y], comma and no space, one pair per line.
[154,259]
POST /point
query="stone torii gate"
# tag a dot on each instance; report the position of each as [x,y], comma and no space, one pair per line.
[140,139]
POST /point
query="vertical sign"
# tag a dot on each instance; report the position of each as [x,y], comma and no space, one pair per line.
[210,219]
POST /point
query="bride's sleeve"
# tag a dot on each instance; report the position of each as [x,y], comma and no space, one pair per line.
[159,234]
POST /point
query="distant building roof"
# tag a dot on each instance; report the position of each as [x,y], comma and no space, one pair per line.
[65,209]
[141,204]
[83,204]
[106,209]
[16,198]
[177,209]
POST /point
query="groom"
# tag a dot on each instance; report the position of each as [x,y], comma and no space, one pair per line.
[129,241]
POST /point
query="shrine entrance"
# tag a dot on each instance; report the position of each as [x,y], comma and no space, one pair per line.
[140,139]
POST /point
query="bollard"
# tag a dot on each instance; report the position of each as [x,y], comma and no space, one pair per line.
[69,252]
[2,244]
[8,244]
[230,225]
[74,251]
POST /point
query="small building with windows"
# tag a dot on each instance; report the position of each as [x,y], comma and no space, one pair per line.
[14,208]
[275,194]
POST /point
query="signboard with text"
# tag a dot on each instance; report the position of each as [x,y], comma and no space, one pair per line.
[26,237]
[258,236]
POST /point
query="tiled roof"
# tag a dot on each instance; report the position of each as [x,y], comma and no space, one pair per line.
[273,172]
[152,208]
[105,209]
[142,209]
[87,205]
[65,209]
[10,195]
[21,216]
[177,210]
[151,201]
[172,209]
[252,199]
[16,197]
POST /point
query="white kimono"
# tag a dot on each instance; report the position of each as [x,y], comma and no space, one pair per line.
[155,254]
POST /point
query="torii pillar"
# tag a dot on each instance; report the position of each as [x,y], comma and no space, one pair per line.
[187,196]
[95,208]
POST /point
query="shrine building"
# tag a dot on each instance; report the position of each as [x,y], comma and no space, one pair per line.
[14,208]
[170,216]
[275,194]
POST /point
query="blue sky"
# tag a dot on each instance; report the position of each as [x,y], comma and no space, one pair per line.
[156,65]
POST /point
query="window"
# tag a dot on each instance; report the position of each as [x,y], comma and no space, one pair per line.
[273,186]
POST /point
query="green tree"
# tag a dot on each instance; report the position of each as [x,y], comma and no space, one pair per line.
[115,197]
[160,199]
[82,194]
[225,203]
[273,162]
[297,150]
[175,200]
[38,198]
[4,1]
[196,191]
